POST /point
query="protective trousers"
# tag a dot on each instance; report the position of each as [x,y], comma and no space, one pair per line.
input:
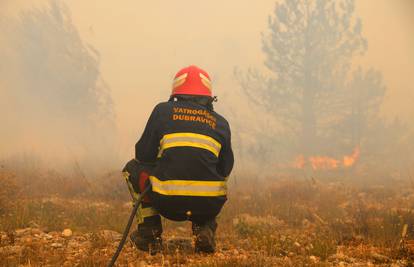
[148,218]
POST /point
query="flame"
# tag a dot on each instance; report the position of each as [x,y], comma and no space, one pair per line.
[323,163]
[350,160]
[327,163]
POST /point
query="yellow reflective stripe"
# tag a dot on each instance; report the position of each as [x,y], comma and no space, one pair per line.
[144,213]
[206,81]
[202,76]
[190,193]
[190,140]
[141,212]
[138,216]
[148,212]
[188,188]
[134,194]
[179,80]
[194,135]
[182,76]
[188,182]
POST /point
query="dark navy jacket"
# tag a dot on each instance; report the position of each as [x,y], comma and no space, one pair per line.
[191,148]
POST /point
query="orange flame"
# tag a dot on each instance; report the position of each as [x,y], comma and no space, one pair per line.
[323,163]
[350,160]
[327,163]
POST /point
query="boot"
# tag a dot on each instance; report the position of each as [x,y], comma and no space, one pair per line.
[205,233]
[150,245]
[148,236]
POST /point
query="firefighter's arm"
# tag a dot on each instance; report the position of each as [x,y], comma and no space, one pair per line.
[146,149]
[226,158]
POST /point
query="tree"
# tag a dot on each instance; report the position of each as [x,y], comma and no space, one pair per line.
[52,89]
[310,88]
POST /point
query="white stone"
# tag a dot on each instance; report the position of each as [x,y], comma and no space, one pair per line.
[313,259]
[56,245]
[67,233]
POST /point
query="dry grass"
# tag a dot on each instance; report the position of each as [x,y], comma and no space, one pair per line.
[281,223]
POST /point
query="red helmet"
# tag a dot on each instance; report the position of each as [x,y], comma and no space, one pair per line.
[191,81]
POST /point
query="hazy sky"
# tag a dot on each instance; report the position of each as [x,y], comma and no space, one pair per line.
[143,43]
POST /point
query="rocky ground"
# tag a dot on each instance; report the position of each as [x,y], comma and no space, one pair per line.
[283,223]
[34,247]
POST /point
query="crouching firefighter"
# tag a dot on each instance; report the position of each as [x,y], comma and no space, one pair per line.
[185,155]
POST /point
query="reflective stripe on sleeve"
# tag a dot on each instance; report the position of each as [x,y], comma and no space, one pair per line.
[188,188]
[191,140]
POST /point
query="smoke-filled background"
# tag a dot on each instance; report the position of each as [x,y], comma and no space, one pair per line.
[318,86]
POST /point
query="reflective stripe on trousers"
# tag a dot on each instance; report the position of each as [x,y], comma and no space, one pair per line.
[141,212]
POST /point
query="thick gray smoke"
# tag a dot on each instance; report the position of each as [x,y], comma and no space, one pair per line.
[54,101]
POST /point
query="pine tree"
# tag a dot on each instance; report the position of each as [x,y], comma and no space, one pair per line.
[310,86]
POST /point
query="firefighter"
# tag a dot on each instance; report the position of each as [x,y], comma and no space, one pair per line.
[185,155]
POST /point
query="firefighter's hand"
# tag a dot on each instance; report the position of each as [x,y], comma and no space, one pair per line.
[143,183]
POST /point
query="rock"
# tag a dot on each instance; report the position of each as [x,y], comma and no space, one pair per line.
[56,245]
[36,231]
[380,258]
[67,233]
[48,236]
[54,233]
[22,232]
[314,259]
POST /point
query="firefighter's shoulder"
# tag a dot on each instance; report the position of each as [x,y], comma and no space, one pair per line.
[220,119]
[163,107]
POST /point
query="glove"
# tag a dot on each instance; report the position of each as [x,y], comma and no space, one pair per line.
[143,182]
[138,177]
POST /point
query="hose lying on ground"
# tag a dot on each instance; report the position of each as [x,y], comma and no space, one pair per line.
[128,226]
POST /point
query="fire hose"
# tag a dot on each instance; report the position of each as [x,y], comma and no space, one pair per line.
[128,226]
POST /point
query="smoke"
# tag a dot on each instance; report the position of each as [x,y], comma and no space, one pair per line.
[55,104]
[54,87]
